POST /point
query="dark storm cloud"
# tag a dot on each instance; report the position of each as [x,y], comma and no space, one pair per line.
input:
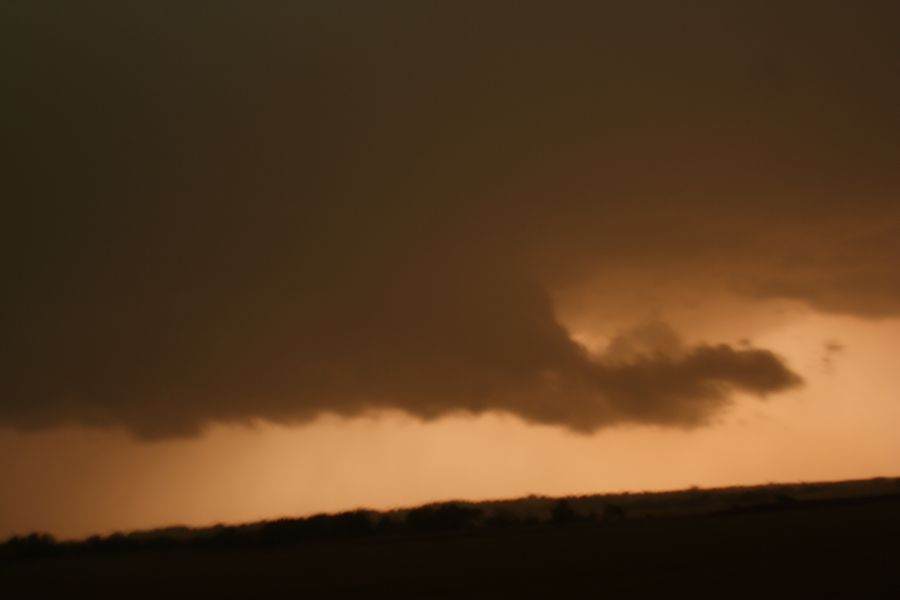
[225,213]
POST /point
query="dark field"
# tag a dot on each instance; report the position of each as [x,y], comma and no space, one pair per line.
[844,547]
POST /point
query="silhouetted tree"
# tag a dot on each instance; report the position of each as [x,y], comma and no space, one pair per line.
[563,513]
[502,519]
[613,512]
[30,546]
[442,517]
[340,526]
[385,525]
[785,500]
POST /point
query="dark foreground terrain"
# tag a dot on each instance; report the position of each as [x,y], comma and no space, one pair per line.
[819,542]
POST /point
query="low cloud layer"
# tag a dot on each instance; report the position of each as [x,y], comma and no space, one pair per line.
[222,215]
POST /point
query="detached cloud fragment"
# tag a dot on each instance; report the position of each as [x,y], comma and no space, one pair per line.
[831,349]
[211,217]
[649,376]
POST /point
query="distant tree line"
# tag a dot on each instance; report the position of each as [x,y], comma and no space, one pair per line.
[429,519]
[452,518]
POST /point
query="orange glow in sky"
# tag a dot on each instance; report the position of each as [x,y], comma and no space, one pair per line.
[842,424]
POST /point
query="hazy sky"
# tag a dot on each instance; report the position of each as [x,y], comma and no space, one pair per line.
[273,260]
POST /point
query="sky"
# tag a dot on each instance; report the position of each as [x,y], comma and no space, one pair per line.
[267,261]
